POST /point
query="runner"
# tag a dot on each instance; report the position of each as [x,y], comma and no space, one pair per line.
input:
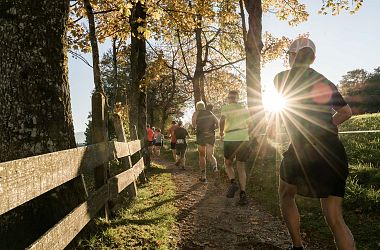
[150,137]
[315,165]
[172,139]
[181,145]
[234,132]
[205,123]
[158,143]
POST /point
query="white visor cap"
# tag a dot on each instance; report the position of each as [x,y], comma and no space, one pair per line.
[301,43]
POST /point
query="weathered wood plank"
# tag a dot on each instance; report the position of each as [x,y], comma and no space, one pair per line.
[119,182]
[121,149]
[24,179]
[65,231]
[138,167]
[134,146]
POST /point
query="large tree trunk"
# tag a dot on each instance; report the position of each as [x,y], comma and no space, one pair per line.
[253,49]
[35,111]
[137,90]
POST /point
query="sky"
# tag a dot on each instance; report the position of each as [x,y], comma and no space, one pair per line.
[344,42]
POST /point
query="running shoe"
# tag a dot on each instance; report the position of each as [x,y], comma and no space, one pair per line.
[232,190]
[215,169]
[178,163]
[243,199]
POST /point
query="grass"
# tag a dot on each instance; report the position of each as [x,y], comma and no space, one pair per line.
[362,148]
[146,222]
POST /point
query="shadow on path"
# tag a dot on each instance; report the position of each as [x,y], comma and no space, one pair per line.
[209,220]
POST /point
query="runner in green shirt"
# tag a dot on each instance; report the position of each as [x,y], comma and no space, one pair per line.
[234,133]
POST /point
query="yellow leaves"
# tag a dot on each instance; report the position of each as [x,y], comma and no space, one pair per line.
[125,10]
[291,11]
[335,7]
[273,47]
[144,31]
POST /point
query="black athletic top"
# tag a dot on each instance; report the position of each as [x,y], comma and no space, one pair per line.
[311,98]
[206,122]
[180,134]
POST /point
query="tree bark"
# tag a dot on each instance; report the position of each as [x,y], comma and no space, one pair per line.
[198,78]
[137,90]
[253,49]
[94,47]
[35,110]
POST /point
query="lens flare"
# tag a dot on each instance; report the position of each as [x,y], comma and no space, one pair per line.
[274,102]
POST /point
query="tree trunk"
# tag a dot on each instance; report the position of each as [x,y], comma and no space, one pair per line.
[253,49]
[94,47]
[198,79]
[137,90]
[35,110]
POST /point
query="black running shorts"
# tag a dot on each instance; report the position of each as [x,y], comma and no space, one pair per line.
[317,169]
[238,149]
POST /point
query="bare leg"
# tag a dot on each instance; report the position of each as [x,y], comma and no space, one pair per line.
[290,212]
[332,210]
[242,175]
[210,155]
[202,157]
[184,159]
[174,155]
[229,169]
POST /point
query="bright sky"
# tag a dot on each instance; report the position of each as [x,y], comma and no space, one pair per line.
[344,42]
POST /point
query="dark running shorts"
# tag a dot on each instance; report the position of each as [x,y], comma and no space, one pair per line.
[180,149]
[318,169]
[205,138]
[172,145]
[149,143]
[238,149]
[159,144]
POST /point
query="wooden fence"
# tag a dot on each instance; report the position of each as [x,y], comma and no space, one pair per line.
[23,180]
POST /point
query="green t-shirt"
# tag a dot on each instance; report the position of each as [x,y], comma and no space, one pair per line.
[236,122]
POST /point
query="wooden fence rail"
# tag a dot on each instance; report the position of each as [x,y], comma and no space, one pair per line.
[24,179]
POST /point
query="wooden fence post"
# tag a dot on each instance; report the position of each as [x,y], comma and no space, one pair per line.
[100,134]
[126,162]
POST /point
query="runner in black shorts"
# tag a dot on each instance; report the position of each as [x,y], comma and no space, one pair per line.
[205,123]
[181,145]
[234,132]
[315,165]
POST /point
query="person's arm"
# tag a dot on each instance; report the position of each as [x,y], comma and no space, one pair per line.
[216,121]
[194,120]
[342,114]
[221,126]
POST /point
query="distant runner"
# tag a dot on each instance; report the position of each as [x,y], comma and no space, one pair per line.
[150,137]
[205,123]
[234,132]
[181,145]
[315,165]
[158,142]
[173,139]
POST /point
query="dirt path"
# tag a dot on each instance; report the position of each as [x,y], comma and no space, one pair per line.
[209,220]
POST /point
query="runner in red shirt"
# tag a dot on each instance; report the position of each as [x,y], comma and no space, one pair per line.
[150,135]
